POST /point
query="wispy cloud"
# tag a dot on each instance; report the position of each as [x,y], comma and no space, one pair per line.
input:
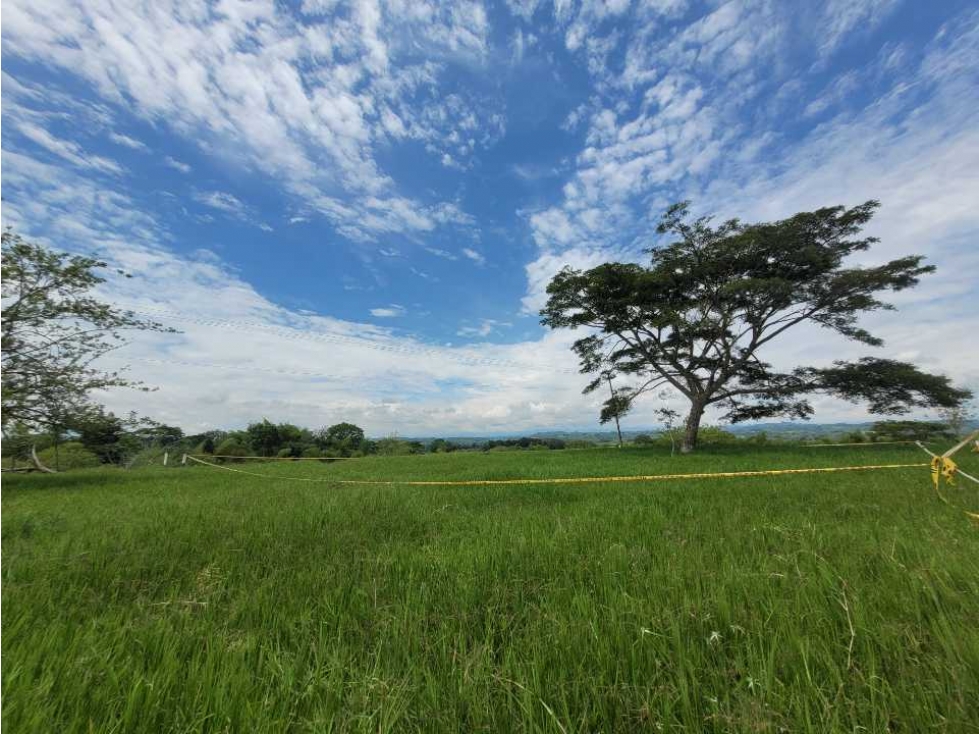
[473,255]
[445,254]
[344,83]
[388,312]
[224,202]
[67,149]
[484,328]
[127,141]
[177,165]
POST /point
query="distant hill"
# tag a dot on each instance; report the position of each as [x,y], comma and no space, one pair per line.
[788,430]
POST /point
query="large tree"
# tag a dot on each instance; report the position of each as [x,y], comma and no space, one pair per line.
[54,332]
[345,437]
[699,317]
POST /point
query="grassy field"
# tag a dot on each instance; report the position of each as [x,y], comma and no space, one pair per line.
[185,600]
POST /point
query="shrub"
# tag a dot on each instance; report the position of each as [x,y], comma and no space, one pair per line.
[312,452]
[643,439]
[71,455]
[716,435]
[230,447]
[392,447]
[150,456]
[911,431]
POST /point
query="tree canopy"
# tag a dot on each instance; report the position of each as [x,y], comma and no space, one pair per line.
[698,317]
[54,331]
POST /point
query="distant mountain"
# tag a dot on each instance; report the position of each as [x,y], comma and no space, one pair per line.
[788,430]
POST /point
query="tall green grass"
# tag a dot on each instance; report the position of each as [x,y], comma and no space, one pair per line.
[187,600]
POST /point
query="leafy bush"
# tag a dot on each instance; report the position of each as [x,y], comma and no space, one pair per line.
[524,442]
[312,452]
[643,439]
[71,455]
[150,456]
[911,431]
[231,447]
[716,435]
[393,447]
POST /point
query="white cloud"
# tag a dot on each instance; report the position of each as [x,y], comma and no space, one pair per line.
[128,142]
[474,256]
[484,328]
[842,17]
[445,254]
[177,165]
[67,150]
[388,312]
[223,201]
[303,96]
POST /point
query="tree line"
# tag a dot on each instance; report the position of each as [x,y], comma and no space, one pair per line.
[696,322]
[105,439]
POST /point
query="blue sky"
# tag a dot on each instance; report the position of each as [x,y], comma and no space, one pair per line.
[351,210]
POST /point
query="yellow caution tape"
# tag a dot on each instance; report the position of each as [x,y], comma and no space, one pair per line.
[948,470]
[943,467]
[565,480]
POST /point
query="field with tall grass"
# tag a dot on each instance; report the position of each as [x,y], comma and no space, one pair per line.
[201,600]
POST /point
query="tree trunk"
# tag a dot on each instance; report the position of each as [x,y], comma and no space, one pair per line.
[38,464]
[611,390]
[692,427]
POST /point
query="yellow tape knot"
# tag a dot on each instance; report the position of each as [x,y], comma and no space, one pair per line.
[942,467]
[948,470]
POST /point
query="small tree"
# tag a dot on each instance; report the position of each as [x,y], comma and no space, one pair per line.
[54,331]
[394,446]
[616,407]
[699,317]
[264,437]
[17,442]
[669,418]
[104,434]
[957,417]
